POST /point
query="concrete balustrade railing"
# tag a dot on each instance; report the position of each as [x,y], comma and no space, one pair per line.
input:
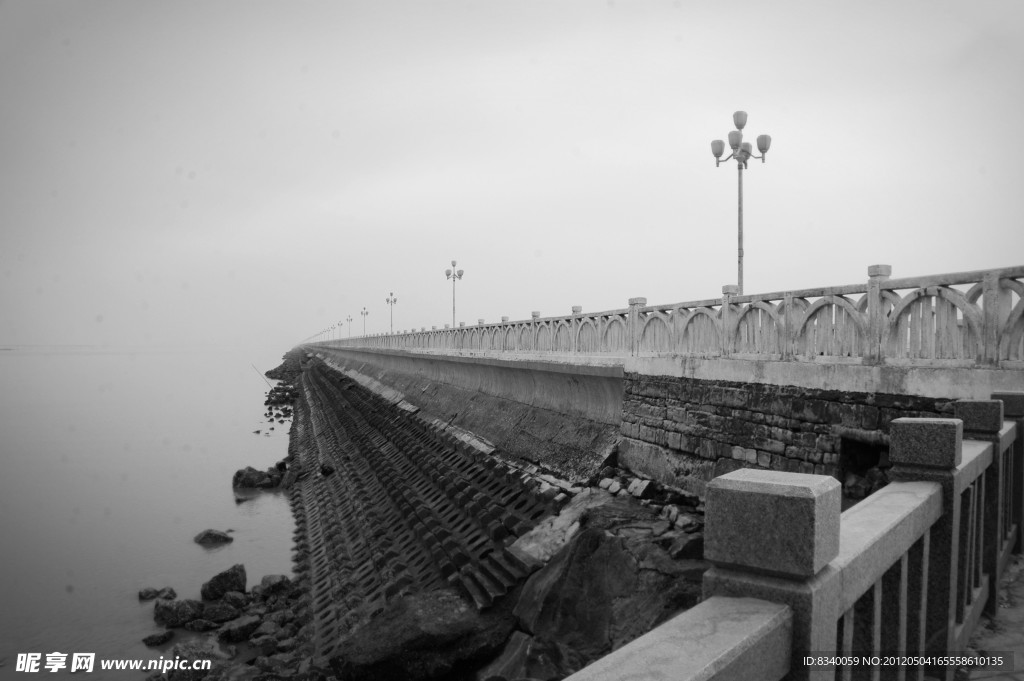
[961,319]
[741,639]
[909,570]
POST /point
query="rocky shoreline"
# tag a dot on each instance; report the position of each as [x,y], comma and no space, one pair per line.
[604,563]
[258,633]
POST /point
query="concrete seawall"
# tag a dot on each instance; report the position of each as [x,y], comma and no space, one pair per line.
[677,419]
[563,416]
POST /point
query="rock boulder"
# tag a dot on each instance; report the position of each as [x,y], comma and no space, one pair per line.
[249,477]
[239,629]
[176,613]
[422,636]
[213,538]
[232,579]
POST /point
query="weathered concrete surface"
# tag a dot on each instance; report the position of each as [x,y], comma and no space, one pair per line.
[897,379]
[563,417]
[580,389]
[745,639]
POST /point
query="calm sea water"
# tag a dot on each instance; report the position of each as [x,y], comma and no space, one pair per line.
[110,462]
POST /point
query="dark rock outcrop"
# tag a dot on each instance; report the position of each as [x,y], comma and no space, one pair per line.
[239,629]
[149,593]
[236,599]
[154,640]
[176,613]
[232,579]
[614,581]
[213,538]
[422,636]
[571,598]
[220,612]
[250,477]
[275,584]
[201,625]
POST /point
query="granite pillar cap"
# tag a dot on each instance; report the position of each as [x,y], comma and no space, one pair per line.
[1013,402]
[576,309]
[879,270]
[638,301]
[931,443]
[772,522]
[980,416]
[535,314]
[730,290]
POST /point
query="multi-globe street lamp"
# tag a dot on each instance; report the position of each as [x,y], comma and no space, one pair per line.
[364,313]
[742,152]
[453,274]
[391,300]
[349,320]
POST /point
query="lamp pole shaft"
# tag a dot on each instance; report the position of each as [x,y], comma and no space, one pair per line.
[392,318]
[739,281]
[453,299]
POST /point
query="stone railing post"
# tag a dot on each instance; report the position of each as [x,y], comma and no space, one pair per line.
[504,336]
[729,291]
[996,302]
[788,339]
[574,344]
[873,348]
[635,328]
[983,419]
[534,316]
[1013,410]
[753,556]
[931,449]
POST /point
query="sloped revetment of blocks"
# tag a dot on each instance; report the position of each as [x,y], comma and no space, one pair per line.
[390,505]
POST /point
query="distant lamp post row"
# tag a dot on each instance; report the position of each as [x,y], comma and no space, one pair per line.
[453,274]
[742,152]
[391,300]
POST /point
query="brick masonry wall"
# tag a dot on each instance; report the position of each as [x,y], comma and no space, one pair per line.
[687,431]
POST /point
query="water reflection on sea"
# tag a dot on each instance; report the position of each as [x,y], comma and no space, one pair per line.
[110,462]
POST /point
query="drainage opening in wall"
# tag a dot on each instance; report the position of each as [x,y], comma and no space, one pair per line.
[863,466]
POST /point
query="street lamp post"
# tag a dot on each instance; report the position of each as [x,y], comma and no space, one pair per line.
[364,313]
[453,275]
[742,152]
[391,300]
[349,320]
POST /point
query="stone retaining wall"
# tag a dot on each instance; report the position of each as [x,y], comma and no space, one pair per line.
[685,431]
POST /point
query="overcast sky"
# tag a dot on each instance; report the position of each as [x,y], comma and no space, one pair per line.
[222,172]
